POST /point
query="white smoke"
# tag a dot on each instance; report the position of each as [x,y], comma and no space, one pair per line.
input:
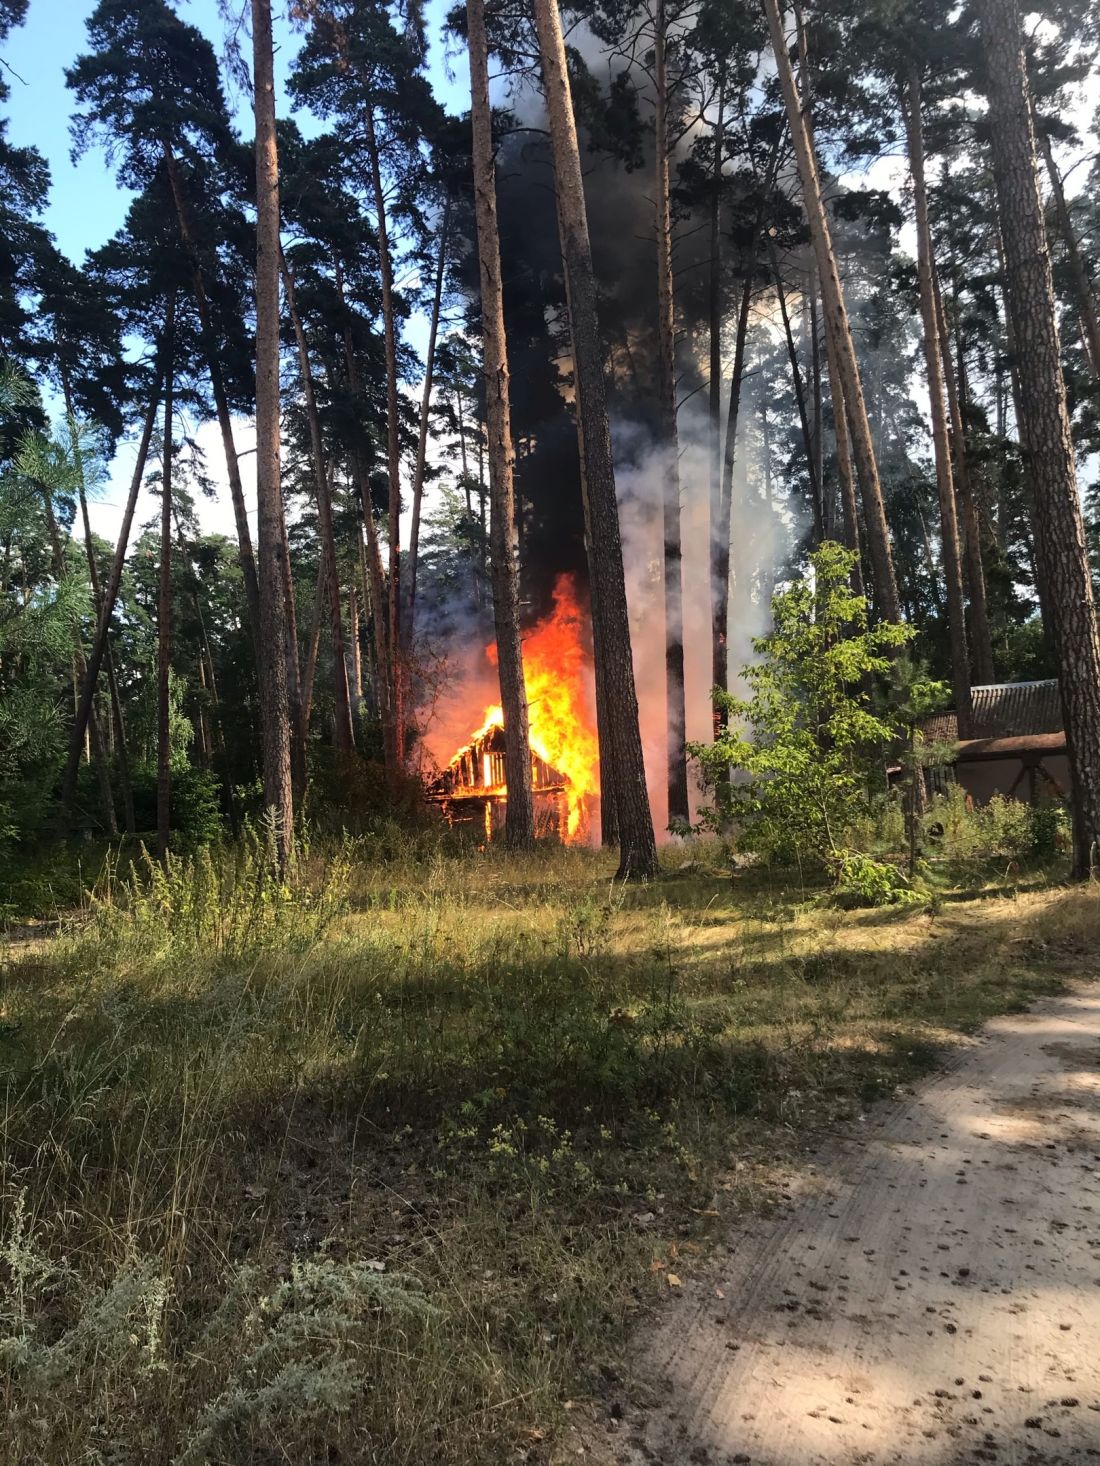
[759,539]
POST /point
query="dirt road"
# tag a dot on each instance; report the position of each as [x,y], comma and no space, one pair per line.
[932,1297]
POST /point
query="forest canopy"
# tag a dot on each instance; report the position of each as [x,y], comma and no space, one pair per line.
[659,301]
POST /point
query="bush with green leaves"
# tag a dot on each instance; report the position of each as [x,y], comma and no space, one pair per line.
[805,745]
[41,599]
[861,880]
[1002,829]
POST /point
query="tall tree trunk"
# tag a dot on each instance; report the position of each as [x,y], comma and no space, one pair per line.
[611,623]
[945,481]
[110,596]
[816,503]
[356,651]
[672,553]
[299,734]
[425,412]
[121,750]
[344,729]
[374,584]
[375,589]
[209,680]
[849,504]
[714,317]
[202,733]
[375,641]
[1082,285]
[813,343]
[217,387]
[271,524]
[720,548]
[1016,394]
[767,577]
[519,826]
[164,608]
[96,750]
[393,453]
[981,642]
[837,325]
[1045,430]
[313,645]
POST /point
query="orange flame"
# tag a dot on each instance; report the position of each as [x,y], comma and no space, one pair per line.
[562,732]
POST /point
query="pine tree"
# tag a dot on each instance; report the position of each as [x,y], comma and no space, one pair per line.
[838,325]
[278,789]
[1044,420]
[934,369]
[520,814]
[149,89]
[621,765]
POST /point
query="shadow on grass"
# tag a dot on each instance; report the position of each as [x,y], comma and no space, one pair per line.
[400,1035]
[494,1114]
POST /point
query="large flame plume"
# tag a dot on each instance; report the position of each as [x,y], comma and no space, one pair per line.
[559,700]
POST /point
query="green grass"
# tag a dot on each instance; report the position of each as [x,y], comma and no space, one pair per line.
[380,1168]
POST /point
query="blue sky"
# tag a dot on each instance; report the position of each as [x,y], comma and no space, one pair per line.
[87,205]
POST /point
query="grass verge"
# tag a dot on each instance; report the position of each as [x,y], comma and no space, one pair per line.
[382,1169]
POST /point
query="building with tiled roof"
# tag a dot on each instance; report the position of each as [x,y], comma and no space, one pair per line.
[1017,747]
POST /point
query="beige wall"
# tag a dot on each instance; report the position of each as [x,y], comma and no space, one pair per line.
[985,777]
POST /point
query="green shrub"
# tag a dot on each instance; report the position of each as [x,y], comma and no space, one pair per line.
[195,800]
[805,740]
[863,881]
[1003,829]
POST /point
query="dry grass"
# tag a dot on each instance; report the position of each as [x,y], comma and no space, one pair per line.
[389,1188]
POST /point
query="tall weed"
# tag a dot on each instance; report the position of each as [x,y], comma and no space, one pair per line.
[224,903]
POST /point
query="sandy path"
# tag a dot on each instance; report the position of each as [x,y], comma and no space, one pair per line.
[932,1296]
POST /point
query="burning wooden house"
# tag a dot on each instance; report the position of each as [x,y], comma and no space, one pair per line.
[472,790]
[565,759]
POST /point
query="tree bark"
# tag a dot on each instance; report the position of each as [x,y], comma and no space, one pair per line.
[1045,429]
[97,752]
[271,525]
[375,641]
[519,826]
[671,543]
[374,582]
[611,623]
[217,387]
[714,315]
[299,737]
[164,608]
[313,646]
[837,325]
[99,645]
[849,503]
[393,454]
[934,368]
[375,589]
[816,503]
[981,642]
[425,409]
[813,344]
[1082,286]
[344,728]
[97,608]
[356,672]
[720,547]
[209,681]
